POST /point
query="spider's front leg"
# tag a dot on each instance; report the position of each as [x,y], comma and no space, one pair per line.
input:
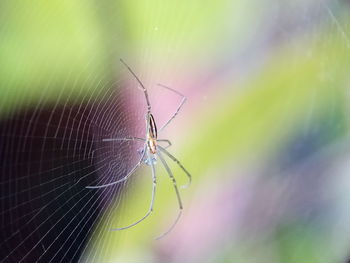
[132,171]
[165,165]
[162,149]
[150,210]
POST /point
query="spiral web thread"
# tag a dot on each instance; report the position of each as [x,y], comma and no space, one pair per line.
[49,154]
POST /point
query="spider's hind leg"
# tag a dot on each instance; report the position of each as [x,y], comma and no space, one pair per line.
[183,100]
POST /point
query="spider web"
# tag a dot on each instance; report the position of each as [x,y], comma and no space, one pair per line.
[49,154]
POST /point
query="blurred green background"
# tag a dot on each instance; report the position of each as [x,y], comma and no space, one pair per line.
[264,132]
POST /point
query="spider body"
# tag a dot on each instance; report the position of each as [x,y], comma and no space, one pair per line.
[152,135]
[149,154]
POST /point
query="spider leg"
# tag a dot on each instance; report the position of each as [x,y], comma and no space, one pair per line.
[177,195]
[162,149]
[125,177]
[123,139]
[167,141]
[178,108]
[150,210]
[141,84]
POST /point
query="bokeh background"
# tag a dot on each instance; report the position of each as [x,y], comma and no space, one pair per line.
[264,131]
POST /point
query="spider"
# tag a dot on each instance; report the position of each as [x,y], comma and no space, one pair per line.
[150,152]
